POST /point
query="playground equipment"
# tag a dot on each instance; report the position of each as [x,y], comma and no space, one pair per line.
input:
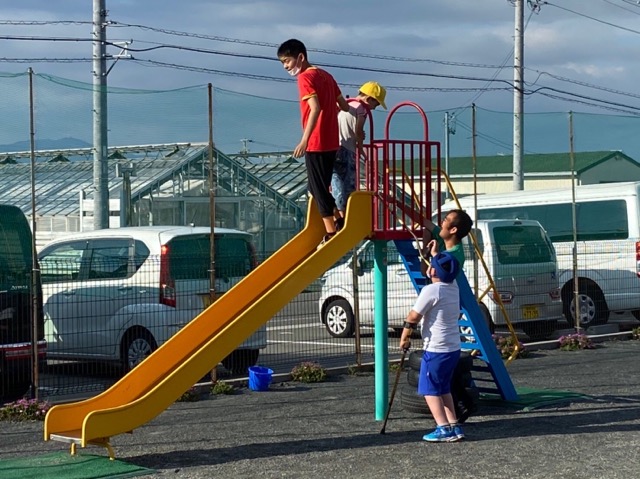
[382,212]
[402,176]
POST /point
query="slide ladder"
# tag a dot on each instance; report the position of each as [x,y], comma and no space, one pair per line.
[492,377]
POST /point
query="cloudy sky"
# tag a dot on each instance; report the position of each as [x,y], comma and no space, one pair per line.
[579,55]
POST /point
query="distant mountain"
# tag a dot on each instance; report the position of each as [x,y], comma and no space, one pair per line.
[46,144]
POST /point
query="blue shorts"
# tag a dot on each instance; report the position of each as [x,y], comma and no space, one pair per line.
[436,372]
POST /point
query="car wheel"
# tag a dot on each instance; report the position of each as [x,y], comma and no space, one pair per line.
[137,345]
[592,307]
[240,360]
[539,330]
[338,319]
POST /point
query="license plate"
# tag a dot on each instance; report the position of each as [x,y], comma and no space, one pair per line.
[530,312]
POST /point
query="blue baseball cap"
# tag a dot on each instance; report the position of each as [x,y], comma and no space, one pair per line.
[446,266]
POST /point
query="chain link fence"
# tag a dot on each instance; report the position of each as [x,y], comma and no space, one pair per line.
[63,115]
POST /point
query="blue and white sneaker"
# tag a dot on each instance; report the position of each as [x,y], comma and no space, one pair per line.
[441,434]
[459,433]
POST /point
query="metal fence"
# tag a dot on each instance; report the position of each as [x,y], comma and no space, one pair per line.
[95,324]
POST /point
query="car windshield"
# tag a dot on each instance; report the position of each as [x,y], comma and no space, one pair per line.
[520,244]
[15,253]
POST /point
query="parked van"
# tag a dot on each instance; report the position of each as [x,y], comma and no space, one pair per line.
[520,258]
[522,263]
[608,241]
[117,294]
[16,305]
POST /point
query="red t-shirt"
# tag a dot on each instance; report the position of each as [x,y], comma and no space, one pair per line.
[316,82]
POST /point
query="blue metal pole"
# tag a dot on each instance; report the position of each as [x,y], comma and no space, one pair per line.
[381,328]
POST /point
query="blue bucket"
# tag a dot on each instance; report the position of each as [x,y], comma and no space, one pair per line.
[259,378]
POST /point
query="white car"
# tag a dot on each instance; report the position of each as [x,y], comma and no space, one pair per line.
[520,258]
[117,294]
[336,301]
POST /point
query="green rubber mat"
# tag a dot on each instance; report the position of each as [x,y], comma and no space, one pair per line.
[530,398]
[62,465]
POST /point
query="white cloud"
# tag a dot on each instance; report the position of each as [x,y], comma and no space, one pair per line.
[460,32]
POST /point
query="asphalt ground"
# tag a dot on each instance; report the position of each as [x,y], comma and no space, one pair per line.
[328,429]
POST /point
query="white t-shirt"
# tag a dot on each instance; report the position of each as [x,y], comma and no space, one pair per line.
[347,124]
[439,304]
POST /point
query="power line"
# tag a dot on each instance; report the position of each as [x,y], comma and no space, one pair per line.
[283,79]
[44,60]
[257,57]
[44,22]
[509,86]
[44,39]
[635,12]
[604,107]
[581,83]
[316,50]
[326,65]
[593,18]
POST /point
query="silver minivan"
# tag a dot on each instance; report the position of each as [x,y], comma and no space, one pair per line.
[519,256]
[118,294]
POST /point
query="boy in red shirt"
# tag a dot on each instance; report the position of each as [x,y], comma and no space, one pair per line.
[319,94]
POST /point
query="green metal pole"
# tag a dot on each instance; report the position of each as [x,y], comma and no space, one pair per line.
[381,328]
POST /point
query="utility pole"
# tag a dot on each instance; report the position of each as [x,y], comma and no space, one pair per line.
[518,102]
[100,143]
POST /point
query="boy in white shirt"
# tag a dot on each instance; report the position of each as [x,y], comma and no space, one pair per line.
[351,130]
[438,310]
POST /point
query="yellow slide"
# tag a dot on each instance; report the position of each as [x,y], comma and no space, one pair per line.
[180,362]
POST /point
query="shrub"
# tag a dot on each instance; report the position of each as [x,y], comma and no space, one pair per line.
[393,367]
[506,346]
[190,395]
[635,333]
[308,372]
[24,410]
[573,342]
[222,388]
